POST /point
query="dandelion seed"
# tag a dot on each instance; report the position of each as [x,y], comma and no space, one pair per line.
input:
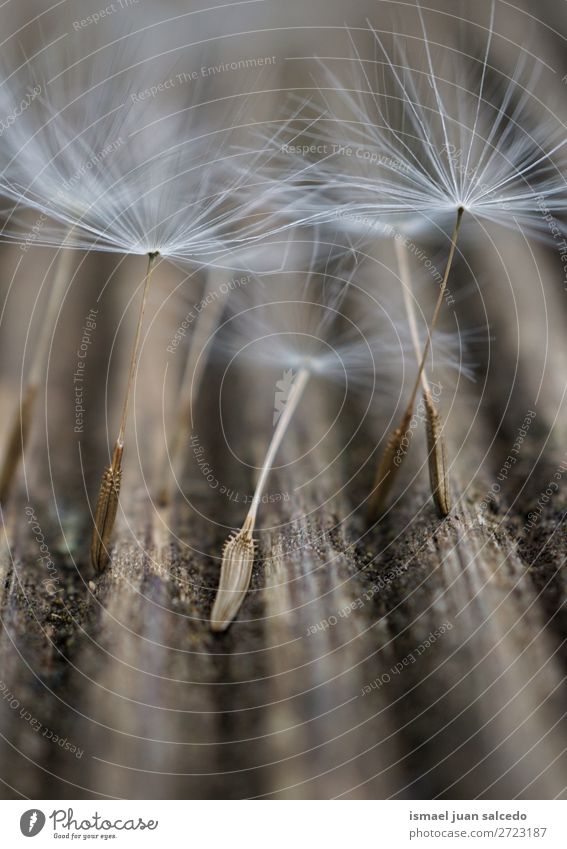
[434,430]
[238,555]
[387,468]
[431,149]
[107,171]
[426,147]
[317,324]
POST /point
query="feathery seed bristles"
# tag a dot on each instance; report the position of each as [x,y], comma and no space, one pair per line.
[173,202]
[129,172]
[322,320]
[419,143]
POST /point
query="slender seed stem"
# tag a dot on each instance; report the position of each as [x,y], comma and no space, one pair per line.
[299,384]
[190,386]
[109,491]
[409,305]
[392,456]
[436,454]
[21,424]
[437,310]
[136,348]
[238,554]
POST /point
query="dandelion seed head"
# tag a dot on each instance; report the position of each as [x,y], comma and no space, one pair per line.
[110,160]
[411,141]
